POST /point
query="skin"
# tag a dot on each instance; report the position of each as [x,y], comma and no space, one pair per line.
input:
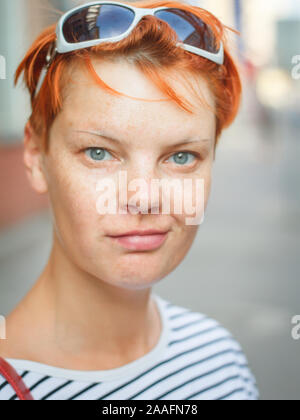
[91,309]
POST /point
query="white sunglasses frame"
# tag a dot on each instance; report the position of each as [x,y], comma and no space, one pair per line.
[62,46]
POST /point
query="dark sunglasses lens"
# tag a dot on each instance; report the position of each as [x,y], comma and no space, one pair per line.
[190,29]
[97,22]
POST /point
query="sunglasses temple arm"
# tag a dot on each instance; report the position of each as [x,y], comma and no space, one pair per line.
[49,58]
[41,80]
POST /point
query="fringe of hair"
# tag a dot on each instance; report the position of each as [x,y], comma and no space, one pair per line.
[153,49]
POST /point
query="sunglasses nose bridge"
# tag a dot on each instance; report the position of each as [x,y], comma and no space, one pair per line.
[147,11]
[142,12]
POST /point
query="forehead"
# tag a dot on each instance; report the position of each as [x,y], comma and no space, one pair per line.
[144,109]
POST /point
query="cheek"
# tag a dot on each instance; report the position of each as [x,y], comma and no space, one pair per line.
[207,188]
[206,179]
[195,200]
[194,197]
[73,199]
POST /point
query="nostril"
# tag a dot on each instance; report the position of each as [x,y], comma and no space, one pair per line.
[133,209]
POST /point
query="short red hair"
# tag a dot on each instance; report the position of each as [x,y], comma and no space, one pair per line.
[152,49]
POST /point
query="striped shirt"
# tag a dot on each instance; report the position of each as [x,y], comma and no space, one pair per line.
[195,358]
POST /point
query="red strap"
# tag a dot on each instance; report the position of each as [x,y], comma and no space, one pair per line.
[12,377]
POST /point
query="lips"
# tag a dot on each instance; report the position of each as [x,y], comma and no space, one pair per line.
[141,240]
[141,233]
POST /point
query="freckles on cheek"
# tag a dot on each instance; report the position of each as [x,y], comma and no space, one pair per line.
[193,199]
[74,199]
[81,206]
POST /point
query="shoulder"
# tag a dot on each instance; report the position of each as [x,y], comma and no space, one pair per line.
[215,345]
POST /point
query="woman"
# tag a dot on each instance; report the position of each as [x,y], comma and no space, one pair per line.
[146,106]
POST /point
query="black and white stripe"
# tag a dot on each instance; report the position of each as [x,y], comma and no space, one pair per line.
[201,360]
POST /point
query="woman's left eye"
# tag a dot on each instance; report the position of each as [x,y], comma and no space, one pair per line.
[96,153]
[182,158]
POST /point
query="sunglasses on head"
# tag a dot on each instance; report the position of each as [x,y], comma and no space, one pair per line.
[103,21]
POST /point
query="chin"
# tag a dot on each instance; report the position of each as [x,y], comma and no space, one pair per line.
[134,279]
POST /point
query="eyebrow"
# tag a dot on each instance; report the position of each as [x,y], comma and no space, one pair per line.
[115,140]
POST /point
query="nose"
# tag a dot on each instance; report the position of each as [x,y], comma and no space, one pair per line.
[137,191]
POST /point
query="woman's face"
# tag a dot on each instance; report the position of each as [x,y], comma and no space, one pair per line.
[146,147]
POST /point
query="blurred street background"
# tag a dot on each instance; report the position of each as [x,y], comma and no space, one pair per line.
[243,268]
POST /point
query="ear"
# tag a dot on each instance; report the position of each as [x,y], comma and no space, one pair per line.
[33,160]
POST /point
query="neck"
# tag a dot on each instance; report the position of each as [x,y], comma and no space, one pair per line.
[81,322]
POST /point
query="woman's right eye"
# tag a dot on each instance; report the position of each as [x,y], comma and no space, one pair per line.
[97,154]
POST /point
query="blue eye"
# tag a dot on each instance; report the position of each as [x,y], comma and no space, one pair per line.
[96,153]
[181,158]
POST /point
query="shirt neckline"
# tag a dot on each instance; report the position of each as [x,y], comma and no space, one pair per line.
[134,367]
